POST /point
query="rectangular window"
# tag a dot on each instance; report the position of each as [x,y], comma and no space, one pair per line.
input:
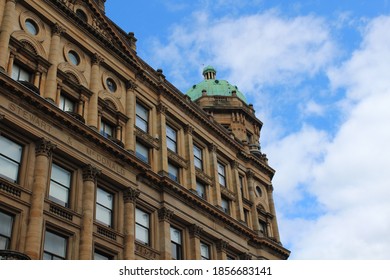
[142,226]
[10,157]
[142,152]
[225,205]
[176,244]
[20,74]
[204,251]
[60,182]
[241,182]
[142,117]
[198,157]
[221,174]
[171,139]
[263,227]
[99,255]
[201,189]
[54,247]
[173,172]
[67,104]
[106,130]
[104,207]
[246,216]
[6,222]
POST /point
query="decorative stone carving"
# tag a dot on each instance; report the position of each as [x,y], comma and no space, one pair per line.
[131,85]
[250,174]
[44,147]
[222,245]
[131,195]
[164,214]
[57,29]
[245,256]
[145,252]
[189,129]
[234,164]
[177,159]
[195,230]
[162,109]
[203,176]
[213,148]
[228,194]
[97,59]
[90,173]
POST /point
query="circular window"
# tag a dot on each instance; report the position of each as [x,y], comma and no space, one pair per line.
[258,191]
[111,85]
[82,15]
[74,58]
[32,27]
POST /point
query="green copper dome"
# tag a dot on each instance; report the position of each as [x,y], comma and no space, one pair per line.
[213,87]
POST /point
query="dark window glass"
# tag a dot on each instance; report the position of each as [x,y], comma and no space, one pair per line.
[74,58]
[54,247]
[6,222]
[176,244]
[32,27]
[106,130]
[82,15]
[111,85]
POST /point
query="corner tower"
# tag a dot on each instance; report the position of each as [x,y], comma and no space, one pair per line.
[229,107]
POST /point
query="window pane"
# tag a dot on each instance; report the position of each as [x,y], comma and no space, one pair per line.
[4,243]
[171,145]
[103,215]
[225,205]
[10,149]
[99,256]
[142,112]
[104,198]
[175,235]
[6,224]
[142,152]
[204,251]
[142,234]
[59,193]
[60,175]
[142,218]
[200,189]
[173,172]
[55,244]
[171,133]
[9,169]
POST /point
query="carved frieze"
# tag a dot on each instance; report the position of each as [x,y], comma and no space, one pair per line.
[145,252]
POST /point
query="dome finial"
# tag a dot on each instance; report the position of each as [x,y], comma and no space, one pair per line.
[209,73]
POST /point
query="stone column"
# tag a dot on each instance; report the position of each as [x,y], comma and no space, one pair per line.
[163,160]
[130,113]
[43,151]
[11,60]
[130,197]
[274,223]
[92,119]
[5,31]
[54,55]
[88,206]
[164,217]
[189,146]
[252,197]
[239,208]
[216,195]
[195,232]
[221,249]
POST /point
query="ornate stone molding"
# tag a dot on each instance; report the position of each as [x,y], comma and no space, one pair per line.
[177,159]
[228,194]
[250,174]
[44,147]
[203,177]
[189,129]
[131,85]
[245,256]
[97,59]
[131,195]
[222,245]
[147,138]
[162,109]
[57,29]
[90,173]
[213,148]
[195,230]
[234,164]
[164,214]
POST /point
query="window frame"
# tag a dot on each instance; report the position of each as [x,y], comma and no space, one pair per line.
[103,124]
[69,188]
[206,245]
[227,204]
[52,254]
[199,184]
[146,228]
[140,119]
[8,159]
[111,211]
[222,176]
[169,139]
[175,246]
[197,158]
[4,236]
[64,102]
[172,176]
[141,156]
[21,70]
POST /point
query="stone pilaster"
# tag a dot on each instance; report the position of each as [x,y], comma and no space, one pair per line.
[189,147]
[5,31]
[88,206]
[195,232]
[130,197]
[164,218]
[237,189]
[93,120]
[130,113]
[163,158]
[54,54]
[252,197]
[274,223]
[43,151]
[216,190]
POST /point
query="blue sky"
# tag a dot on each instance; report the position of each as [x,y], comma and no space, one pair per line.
[317,75]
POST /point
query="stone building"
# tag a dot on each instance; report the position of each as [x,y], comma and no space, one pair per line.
[102,158]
